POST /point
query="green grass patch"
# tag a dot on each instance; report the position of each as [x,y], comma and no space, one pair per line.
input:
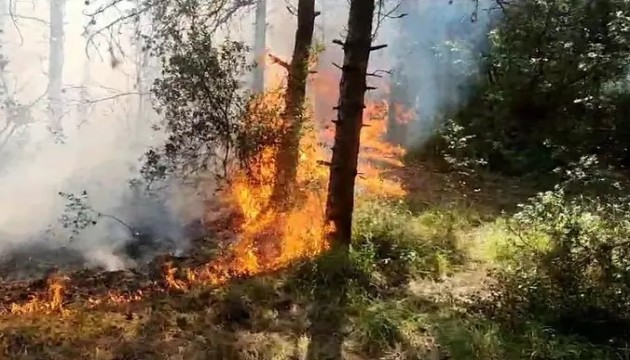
[365,296]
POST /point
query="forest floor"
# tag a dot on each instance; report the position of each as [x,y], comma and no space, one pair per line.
[276,316]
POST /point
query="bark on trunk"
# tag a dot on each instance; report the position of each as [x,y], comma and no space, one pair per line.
[287,157]
[143,81]
[345,152]
[55,61]
[260,42]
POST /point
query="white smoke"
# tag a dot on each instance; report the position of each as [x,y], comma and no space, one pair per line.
[435,46]
[439,58]
[99,156]
[102,155]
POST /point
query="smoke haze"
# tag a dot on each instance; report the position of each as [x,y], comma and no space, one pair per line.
[101,154]
[433,53]
[435,67]
[98,154]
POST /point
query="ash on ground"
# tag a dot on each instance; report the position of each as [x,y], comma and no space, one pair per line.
[37,259]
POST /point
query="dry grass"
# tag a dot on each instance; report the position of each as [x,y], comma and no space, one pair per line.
[219,324]
[275,317]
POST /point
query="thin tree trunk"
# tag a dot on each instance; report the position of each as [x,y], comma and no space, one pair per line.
[397,98]
[260,43]
[84,93]
[148,72]
[4,13]
[55,61]
[141,62]
[287,157]
[399,88]
[345,152]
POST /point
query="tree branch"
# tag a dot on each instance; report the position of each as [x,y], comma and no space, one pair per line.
[277,60]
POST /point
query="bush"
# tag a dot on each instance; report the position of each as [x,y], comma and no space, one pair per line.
[571,261]
[390,247]
[556,89]
[202,106]
[394,243]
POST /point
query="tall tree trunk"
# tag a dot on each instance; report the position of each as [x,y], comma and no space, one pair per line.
[287,157]
[55,62]
[84,93]
[260,43]
[398,100]
[4,13]
[345,152]
[148,70]
[140,62]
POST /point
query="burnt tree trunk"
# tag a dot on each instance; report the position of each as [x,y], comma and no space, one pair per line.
[287,157]
[55,62]
[260,40]
[345,151]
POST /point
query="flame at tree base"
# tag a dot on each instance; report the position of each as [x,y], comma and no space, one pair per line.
[270,240]
[267,239]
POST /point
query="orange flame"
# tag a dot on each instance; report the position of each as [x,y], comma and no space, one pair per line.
[50,302]
[269,240]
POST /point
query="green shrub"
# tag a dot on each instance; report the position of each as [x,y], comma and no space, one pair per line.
[380,326]
[390,247]
[571,262]
[391,242]
[554,87]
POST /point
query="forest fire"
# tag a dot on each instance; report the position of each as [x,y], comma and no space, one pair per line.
[267,239]
[52,301]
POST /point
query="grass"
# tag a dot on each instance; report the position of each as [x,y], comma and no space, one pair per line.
[403,292]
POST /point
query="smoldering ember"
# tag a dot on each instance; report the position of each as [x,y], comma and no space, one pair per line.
[314,179]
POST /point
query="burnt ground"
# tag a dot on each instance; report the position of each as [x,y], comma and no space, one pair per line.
[37,259]
[26,272]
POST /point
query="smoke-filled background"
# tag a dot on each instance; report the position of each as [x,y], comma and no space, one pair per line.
[437,62]
[66,79]
[105,131]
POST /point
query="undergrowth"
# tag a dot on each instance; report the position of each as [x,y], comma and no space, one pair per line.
[365,303]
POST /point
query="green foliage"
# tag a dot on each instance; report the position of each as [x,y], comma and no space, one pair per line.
[382,325]
[392,242]
[391,247]
[570,264]
[78,215]
[385,243]
[199,94]
[471,336]
[200,99]
[556,89]
[387,251]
